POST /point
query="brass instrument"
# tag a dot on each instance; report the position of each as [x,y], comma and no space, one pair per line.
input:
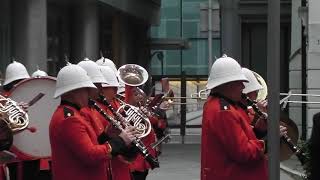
[142,149]
[132,75]
[133,117]
[263,93]
[10,112]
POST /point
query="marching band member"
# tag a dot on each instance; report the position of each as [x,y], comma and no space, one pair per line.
[24,169]
[108,62]
[15,72]
[140,167]
[39,73]
[132,76]
[251,90]
[76,153]
[229,147]
[120,164]
[98,76]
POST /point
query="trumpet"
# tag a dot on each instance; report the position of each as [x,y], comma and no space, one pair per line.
[142,149]
[285,138]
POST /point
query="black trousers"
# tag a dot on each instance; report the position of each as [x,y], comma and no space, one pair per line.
[30,170]
[137,175]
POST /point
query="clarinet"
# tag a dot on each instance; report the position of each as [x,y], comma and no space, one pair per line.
[136,142]
[285,138]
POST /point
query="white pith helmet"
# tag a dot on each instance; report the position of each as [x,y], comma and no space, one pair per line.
[15,71]
[39,73]
[110,76]
[93,71]
[72,77]
[253,84]
[224,70]
[107,62]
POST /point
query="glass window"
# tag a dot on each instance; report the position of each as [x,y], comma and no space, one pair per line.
[191,17]
[195,106]
[195,59]
[171,63]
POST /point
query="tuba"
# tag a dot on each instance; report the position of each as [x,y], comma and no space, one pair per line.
[134,117]
[133,75]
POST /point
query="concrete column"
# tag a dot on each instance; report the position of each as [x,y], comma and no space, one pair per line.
[230,29]
[85,31]
[120,36]
[313,63]
[295,65]
[5,34]
[30,33]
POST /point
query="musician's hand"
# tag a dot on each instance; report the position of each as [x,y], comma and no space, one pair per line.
[262,105]
[261,125]
[24,106]
[128,135]
[283,130]
[165,105]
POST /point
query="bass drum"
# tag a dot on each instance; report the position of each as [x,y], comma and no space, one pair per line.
[34,142]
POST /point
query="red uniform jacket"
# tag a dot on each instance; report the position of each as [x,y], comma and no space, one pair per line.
[229,148]
[119,166]
[140,164]
[75,150]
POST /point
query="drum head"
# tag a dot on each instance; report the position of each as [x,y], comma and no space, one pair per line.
[35,144]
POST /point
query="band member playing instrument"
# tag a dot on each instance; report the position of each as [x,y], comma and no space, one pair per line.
[117,170]
[23,169]
[15,72]
[229,147]
[132,76]
[251,90]
[76,153]
[140,167]
[120,164]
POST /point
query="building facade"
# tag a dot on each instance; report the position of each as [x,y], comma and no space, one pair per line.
[45,32]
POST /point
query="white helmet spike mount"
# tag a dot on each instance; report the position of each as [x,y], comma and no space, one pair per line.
[224,70]
[39,73]
[107,62]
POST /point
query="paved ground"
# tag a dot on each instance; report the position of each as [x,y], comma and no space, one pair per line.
[182,162]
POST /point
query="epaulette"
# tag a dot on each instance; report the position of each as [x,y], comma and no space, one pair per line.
[224,105]
[67,112]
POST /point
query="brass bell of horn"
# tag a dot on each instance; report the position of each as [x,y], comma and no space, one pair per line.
[132,75]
